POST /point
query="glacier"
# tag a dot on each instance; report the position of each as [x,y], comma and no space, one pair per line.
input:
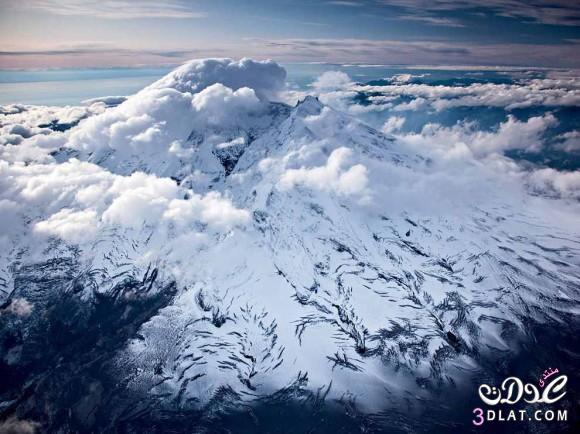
[205,247]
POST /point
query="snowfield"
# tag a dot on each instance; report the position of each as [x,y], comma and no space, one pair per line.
[240,248]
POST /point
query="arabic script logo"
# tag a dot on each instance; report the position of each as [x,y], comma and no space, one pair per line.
[512,390]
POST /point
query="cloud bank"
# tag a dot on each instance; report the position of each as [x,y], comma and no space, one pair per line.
[403,105]
[466,140]
[334,176]
[265,78]
[75,199]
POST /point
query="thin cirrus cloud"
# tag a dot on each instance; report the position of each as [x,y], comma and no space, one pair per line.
[352,4]
[97,51]
[434,21]
[329,30]
[96,54]
[556,12]
[416,15]
[342,50]
[390,51]
[326,50]
[114,9]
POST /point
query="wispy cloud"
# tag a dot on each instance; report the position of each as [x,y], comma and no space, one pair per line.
[434,21]
[339,50]
[352,4]
[112,9]
[100,54]
[416,52]
[556,12]
[291,21]
[92,48]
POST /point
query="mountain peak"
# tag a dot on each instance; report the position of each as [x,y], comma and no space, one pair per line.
[310,104]
[309,99]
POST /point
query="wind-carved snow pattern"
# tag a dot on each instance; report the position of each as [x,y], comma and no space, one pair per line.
[269,252]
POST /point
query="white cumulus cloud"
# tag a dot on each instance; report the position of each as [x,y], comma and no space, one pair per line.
[555,183]
[465,140]
[393,124]
[335,176]
[332,80]
[70,225]
[74,200]
[267,78]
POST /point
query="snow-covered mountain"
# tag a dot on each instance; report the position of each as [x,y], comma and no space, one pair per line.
[203,245]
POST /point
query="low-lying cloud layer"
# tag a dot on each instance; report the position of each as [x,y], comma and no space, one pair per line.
[479,121]
[75,200]
[548,92]
[466,140]
[334,176]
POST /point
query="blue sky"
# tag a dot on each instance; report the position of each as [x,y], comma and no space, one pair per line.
[89,33]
